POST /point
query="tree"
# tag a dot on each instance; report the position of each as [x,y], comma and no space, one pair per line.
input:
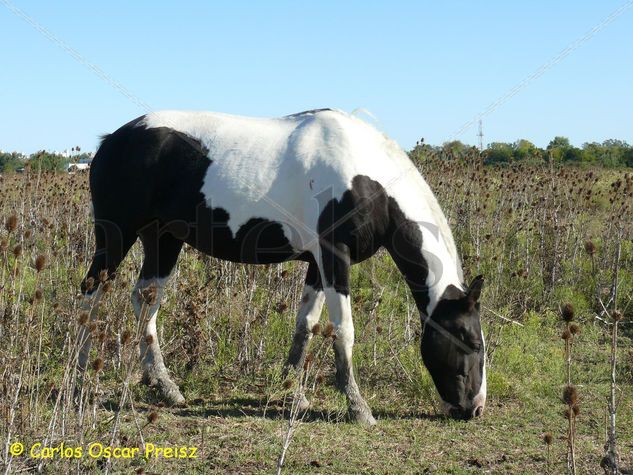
[10,162]
[454,149]
[46,161]
[499,152]
[525,150]
[558,147]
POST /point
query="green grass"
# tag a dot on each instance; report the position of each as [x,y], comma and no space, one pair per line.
[225,331]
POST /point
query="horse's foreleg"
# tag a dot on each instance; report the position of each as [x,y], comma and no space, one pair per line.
[335,272]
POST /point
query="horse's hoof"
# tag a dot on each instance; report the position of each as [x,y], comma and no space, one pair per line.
[363,417]
[167,391]
[304,404]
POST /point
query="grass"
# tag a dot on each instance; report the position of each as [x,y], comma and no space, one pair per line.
[225,331]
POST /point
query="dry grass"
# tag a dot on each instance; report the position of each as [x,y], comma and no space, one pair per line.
[225,330]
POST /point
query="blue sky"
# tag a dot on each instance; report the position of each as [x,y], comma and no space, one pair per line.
[422,69]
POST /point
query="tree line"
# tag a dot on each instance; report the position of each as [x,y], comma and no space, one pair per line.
[42,160]
[610,153]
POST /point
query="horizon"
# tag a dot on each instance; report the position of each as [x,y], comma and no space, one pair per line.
[421,71]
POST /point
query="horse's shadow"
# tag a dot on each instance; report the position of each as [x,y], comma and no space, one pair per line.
[275,410]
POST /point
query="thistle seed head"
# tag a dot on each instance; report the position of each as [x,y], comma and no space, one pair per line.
[97,365]
[567,312]
[570,395]
[149,295]
[547,438]
[574,329]
[11,223]
[83,318]
[126,337]
[329,330]
[17,250]
[590,247]
[152,417]
[308,361]
[40,262]
[316,329]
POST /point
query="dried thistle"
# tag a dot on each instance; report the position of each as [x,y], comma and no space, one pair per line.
[570,395]
[152,417]
[149,339]
[316,329]
[590,247]
[37,297]
[103,275]
[547,438]
[568,312]
[97,365]
[17,250]
[40,263]
[574,329]
[83,318]
[566,335]
[308,361]
[149,295]
[329,330]
[287,384]
[11,223]
[617,316]
[126,337]
[89,284]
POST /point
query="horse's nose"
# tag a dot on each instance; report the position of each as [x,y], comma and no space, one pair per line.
[461,413]
[479,410]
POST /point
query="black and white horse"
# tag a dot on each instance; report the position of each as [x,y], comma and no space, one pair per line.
[320,186]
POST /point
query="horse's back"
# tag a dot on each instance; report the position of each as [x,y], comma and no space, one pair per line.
[283,171]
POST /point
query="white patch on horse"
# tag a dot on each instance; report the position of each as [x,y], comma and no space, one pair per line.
[480,398]
[260,165]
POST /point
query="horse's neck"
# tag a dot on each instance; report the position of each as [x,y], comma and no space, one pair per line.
[424,258]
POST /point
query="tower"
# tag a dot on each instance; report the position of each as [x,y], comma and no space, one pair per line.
[480,134]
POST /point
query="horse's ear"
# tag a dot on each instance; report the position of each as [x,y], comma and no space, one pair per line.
[453,293]
[474,291]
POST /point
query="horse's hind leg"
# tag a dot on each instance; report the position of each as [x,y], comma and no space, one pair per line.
[112,244]
[161,254]
[312,299]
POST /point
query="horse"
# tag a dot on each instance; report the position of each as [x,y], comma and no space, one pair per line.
[319,186]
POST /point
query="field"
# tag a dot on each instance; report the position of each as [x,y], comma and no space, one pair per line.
[542,236]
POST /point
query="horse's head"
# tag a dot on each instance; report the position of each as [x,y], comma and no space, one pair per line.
[453,351]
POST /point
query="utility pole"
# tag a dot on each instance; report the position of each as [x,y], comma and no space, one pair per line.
[480,134]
